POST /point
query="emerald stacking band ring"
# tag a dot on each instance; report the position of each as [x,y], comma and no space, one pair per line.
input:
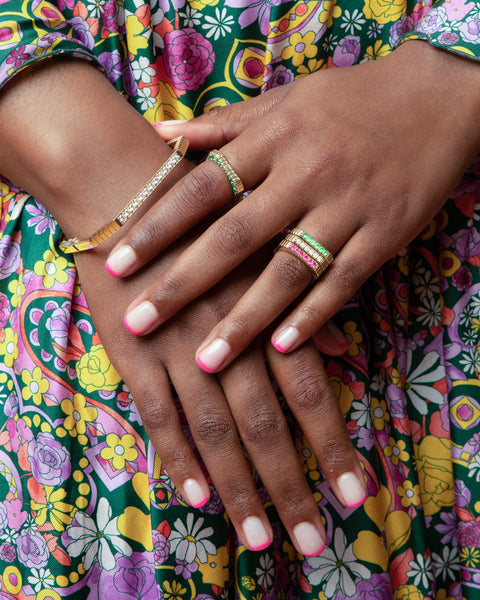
[233,176]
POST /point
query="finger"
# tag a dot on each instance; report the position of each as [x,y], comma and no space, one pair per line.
[216,438]
[204,190]
[265,434]
[283,280]
[330,340]
[307,390]
[221,248]
[220,125]
[162,424]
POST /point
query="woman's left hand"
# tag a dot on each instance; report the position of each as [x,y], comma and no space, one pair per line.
[360,158]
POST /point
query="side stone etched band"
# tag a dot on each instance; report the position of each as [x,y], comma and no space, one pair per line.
[180,146]
[233,176]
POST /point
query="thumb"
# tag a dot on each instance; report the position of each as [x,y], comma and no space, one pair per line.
[220,125]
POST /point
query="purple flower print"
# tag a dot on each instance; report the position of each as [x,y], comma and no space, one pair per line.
[470,30]
[132,578]
[462,493]
[32,550]
[189,58]
[433,20]
[462,279]
[185,569]
[465,243]
[19,433]
[448,528]
[7,552]
[458,9]
[82,32]
[50,461]
[129,83]
[469,533]
[9,256]
[65,3]
[10,407]
[57,323]
[161,547]
[448,38]
[3,516]
[281,76]
[16,516]
[166,5]
[259,10]
[347,51]
[112,64]
[4,310]
[42,219]
[377,587]
[405,25]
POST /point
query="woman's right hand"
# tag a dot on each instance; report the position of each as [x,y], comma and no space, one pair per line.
[238,404]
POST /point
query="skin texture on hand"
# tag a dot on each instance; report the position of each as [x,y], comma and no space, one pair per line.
[362,170]
[92,163]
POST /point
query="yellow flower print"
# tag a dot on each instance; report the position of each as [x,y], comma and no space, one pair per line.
[470,556]
[396,451]
[17,288]
[384,11]
[200,4]
[344,394]
[379,413]
[173,591]
[78,414]
[330,11]
[35,385]
[215,569]
[433,459]
[312,65]
[308,458]
[54,510]
[396,378]
[96,372]
[119,450]
[395,527]
[408,592]
[52,268]
[377,50]
[300,47]
[9,346]
[353,336]
[135,35]
[409,494]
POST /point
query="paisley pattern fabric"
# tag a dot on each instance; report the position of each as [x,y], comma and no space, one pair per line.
[86,509]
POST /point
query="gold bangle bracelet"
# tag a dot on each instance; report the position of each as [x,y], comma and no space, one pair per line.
[180,146]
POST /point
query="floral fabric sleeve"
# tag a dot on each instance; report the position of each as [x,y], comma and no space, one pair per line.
[453,25]
[34,30]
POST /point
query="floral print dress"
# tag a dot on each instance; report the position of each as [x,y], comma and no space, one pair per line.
[86,509]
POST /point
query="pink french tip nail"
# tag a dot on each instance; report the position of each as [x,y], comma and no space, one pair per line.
[212,357]
[261,547]
[285,339]
[110,270]
[309,540]
[121,261]
[352,489]
[141,318]
[194,493]
[255,533]
[169,122]
[315,553]
[203,366]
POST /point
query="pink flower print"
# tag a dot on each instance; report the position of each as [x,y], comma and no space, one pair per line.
[110,16]
[18,56]
[347,51]
[448,38]
[16,516]
[7,552]
[457,9]
[4,310]
[19,433]
[189,58]
[469,533]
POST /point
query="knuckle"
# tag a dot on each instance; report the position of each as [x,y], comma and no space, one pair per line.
[203,191]
[170,288]
[213,430]
[234,234]
[262,428]
[309,394]
[158,416]
[348,277]
[335,454]
[290,273]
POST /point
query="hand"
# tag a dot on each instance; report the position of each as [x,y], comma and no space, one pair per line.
[241,399]
[361,158]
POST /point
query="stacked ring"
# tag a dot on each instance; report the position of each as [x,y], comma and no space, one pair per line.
[316,257]
[233,176]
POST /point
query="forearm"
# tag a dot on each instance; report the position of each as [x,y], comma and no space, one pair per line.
[71,140]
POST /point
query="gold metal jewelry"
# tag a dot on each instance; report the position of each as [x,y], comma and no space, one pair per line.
[310,262]
[180,146]
[313,243]
[233,176]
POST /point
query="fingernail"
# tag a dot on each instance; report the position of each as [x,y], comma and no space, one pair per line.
[337,334]
[194,493]
[352,490]
[121,261]
[214,355]
[255,533]
[170,122]
[309,540]
[141,318]
[285,338]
